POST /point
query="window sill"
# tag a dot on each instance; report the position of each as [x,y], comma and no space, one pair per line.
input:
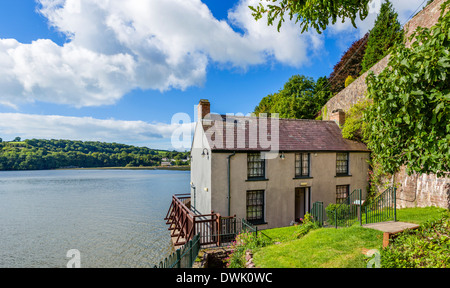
[256,179]
[260,222]
[302,177]
[343,175]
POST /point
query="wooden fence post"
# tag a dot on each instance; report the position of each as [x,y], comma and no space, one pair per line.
[218,228]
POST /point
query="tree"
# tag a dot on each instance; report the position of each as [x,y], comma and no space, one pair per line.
[385,33]
[349,65]
[409,120]
[17,139]
[51,154]
[311,13]
[300,98]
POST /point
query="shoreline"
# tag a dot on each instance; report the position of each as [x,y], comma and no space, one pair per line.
[180,168]
[176,168]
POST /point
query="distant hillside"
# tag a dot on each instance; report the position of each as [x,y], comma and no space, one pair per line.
[37,154]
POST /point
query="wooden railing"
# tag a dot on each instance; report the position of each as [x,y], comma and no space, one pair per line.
[213,228]
[181,219]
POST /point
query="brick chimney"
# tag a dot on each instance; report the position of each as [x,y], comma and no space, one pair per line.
[338,116]
[203,109]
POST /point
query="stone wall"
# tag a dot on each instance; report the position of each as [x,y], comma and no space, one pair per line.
[415,190]
[420,190]
[353,93]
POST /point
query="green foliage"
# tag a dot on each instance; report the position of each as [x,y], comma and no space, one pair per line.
[409,121]
[426,247]
[342,210]
[386,32]
[315,14]
[244,241]
[349,80]
[306,226]
[354,124]
[300,98]
[34,154]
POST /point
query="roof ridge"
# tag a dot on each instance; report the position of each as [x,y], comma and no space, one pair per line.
[284,119]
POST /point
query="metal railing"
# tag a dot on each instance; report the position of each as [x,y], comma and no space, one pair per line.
[183,257]
[317,213]
[348,211]
[382,208]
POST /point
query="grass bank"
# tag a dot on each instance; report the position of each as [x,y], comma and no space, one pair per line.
[330,247]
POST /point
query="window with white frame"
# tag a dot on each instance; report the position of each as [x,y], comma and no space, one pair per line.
[302,164]
[255,166]
[342,164]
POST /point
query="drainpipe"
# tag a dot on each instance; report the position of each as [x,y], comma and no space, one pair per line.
[229,182]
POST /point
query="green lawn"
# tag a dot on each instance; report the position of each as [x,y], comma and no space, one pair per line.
[419,215]
[330,247]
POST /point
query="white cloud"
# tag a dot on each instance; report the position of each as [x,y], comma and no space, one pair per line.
[288,46]
[116,46]
[28,126]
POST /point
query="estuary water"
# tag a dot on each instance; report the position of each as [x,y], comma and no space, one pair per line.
[113,218]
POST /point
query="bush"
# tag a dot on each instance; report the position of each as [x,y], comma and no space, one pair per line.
[342,213]
[244,241]
[426,247]
[307,226]
[354,126]
[349,80]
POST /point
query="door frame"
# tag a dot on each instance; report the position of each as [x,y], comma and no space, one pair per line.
[306,199]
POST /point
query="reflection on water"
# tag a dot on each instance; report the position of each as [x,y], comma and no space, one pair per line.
[115,218]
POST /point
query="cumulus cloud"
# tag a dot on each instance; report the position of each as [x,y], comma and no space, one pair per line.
[30,126]
[115,46]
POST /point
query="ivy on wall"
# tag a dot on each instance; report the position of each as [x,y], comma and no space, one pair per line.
[409,120]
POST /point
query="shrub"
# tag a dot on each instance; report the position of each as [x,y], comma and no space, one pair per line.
[342,213]
[306,226]
[426,247]
[244,241]
[349,80]
[354,125]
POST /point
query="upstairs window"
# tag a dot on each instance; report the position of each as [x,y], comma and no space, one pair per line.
[255,166]
[302,164]
[342,164]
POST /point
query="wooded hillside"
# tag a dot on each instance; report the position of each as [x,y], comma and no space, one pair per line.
[40,154]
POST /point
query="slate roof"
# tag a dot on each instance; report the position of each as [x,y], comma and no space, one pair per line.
[235,133]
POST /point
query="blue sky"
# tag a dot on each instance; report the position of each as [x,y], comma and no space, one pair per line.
[118,71]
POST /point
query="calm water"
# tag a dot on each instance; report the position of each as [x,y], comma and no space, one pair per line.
[115,218]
